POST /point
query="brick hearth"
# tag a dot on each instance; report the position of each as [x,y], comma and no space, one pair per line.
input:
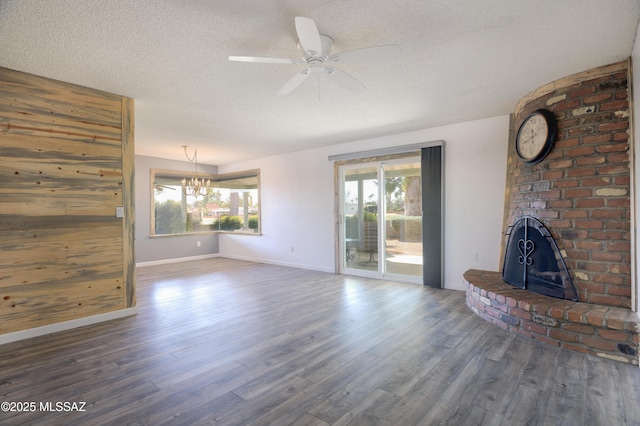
[604,331]
[581,192]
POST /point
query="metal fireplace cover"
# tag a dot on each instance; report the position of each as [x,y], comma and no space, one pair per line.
[533,261]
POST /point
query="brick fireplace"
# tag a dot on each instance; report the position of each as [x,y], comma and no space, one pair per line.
[581,193]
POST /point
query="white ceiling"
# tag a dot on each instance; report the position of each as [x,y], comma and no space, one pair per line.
[462,60]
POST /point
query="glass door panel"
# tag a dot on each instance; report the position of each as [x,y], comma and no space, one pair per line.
[403,218]
[382,232]
[359,219]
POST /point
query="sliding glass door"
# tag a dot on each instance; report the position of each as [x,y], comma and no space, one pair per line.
[403,219]
[381,219]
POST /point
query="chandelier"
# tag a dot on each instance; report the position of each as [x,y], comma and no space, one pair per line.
[195,186]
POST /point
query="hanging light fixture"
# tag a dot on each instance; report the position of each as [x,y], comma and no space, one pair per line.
[195,186]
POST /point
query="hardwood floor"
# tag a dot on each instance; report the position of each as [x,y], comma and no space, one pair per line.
[237,343]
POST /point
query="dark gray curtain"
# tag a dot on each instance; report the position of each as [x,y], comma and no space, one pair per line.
[431,163]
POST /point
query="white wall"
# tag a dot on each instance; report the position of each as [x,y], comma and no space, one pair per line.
[297,199]
[156,249]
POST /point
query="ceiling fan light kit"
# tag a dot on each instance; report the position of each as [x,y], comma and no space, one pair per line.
[316,49]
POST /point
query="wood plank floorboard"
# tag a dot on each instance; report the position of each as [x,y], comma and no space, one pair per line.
[230,342]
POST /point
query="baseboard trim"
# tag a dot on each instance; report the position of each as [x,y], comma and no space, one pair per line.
[279,263]
[247,258]
[176,259]
[65,325]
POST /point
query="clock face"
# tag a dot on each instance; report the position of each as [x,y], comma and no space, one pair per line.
[534,139]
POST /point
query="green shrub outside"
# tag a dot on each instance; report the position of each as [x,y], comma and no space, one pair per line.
[168,217]
[231,223]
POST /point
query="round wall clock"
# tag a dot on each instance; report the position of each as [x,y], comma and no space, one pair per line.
[536,136]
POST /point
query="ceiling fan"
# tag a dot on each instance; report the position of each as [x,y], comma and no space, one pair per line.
[316,52]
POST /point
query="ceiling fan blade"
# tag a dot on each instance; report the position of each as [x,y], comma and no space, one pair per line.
[294,82]
[265,60]
[375,53]
[345,80]
[308,35]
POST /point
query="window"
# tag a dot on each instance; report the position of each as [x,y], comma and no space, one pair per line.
[231,205]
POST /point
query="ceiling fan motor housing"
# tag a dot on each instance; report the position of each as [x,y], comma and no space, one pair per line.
[327,45]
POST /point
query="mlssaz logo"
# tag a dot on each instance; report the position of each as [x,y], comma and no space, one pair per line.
[62,406]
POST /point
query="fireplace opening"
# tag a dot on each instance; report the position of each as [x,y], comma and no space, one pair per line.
[533,261]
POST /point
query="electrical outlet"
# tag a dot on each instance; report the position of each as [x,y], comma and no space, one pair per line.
[476,257]
[291,249]
[198,244]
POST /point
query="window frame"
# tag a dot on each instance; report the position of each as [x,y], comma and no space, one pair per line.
[215,179]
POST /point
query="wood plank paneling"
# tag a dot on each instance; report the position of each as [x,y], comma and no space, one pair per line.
[15,230]
[34,172]
[128,229]
[64,253]
[27,123]
[65,300]
[53,145]
[37,208]
[105,112]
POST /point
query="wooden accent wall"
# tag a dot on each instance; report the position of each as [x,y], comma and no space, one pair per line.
[66,163]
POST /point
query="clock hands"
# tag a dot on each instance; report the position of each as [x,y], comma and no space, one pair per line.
[533,135]
[528,146]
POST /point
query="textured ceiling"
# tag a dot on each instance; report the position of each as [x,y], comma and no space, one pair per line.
[462,60]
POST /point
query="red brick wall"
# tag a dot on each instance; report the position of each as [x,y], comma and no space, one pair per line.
[581,190]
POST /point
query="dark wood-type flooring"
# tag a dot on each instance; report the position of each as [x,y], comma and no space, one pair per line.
[229,342]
